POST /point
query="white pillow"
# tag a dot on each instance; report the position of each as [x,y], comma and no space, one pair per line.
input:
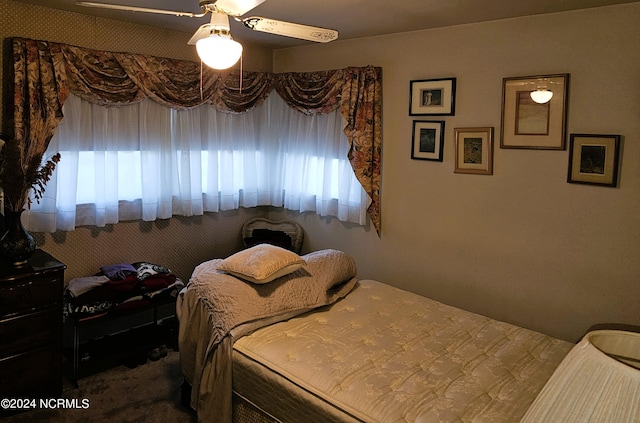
[262,263]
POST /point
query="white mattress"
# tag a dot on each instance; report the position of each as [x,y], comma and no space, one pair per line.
[387,355]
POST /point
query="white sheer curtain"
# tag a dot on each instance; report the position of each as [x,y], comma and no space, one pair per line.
[312,158]
[147,161]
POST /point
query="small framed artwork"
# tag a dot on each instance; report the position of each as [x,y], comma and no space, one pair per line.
[593,159]
[432,97]
[428,140]
[474,150]
[534,112]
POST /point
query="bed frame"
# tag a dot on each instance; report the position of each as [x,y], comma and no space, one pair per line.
[243,410]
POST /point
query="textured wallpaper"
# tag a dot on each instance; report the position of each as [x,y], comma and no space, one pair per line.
[179,243]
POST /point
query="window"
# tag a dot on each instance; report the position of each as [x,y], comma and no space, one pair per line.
[146,161]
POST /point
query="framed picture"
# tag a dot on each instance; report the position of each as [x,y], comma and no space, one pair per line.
[432,97]
[428,140]
[534,124]
[474,150]
[593,159]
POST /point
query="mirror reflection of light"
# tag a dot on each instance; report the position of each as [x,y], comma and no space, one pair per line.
[541,95]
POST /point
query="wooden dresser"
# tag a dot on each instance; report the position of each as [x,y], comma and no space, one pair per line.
[31,328]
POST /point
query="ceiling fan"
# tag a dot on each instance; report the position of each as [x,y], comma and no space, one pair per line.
[213,40]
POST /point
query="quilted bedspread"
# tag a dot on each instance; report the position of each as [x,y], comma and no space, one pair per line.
[215,306]
[386,355]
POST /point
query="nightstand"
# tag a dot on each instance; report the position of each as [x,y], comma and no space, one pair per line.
[31,328]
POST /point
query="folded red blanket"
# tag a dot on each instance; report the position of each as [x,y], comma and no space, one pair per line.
[159,281]
[124,285]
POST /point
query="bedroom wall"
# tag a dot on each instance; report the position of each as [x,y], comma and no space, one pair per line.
[179,243]
[521,245]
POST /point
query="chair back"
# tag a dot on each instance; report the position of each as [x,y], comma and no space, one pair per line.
[284,233]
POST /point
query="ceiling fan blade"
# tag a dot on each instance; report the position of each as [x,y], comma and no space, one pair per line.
[288,29]
[236,7]
[139,9]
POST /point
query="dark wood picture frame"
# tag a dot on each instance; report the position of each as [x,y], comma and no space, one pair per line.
[594,159]
[428,140]
[435,97]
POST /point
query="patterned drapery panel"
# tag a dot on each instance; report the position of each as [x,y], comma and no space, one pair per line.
[45,72]
[39,93]
[362,109]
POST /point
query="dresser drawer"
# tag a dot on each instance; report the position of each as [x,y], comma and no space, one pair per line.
[32,374]
[29,331]
[32,294]
[31,327]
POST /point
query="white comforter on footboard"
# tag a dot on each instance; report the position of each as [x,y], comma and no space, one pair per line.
[387,355]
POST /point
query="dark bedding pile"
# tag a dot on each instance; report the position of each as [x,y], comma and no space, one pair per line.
[119,287]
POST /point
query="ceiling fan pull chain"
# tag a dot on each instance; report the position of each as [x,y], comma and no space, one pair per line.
[201,82]
[241,74]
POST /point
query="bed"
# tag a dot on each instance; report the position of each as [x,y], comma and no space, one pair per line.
[315,344]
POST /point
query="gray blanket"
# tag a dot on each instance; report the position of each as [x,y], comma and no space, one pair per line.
[215,305]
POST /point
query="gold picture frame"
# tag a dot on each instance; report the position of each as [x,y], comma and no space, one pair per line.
[531,125]
[474,150]
[593,159]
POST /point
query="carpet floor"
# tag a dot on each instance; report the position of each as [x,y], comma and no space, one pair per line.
[146,393]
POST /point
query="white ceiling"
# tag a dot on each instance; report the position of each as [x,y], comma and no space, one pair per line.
[351,18]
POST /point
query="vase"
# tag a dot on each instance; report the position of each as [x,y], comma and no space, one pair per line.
[17,244]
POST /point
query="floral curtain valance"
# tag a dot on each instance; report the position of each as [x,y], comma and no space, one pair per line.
[45,72]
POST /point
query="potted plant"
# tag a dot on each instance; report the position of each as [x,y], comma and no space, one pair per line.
[21,170]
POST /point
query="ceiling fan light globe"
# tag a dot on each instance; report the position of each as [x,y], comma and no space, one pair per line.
[541,96]
[219,52]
